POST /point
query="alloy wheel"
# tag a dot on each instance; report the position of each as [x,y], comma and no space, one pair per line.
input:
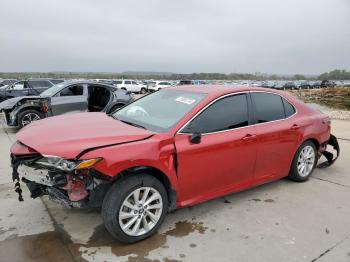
[306,161]
[140,211]
[28,118]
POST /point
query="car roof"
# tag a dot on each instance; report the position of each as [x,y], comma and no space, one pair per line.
[217,90]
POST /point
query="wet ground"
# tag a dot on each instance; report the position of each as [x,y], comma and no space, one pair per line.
[280,221]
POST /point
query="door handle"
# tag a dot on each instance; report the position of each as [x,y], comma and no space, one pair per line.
[295,127]
[249,137]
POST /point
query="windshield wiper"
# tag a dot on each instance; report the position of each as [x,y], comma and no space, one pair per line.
[132,124]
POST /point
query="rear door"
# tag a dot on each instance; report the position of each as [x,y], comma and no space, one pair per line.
[277,135]
[224,159]
[69,100]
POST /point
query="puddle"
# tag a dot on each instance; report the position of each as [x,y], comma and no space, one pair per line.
[57,245]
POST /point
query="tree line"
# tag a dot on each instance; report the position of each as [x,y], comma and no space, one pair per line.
[332,75]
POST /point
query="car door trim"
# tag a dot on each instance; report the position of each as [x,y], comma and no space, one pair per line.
[250,112]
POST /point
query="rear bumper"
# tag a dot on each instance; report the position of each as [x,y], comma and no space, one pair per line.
[331,157]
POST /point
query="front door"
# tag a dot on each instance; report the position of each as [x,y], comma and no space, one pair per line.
[71,99]
[224,159]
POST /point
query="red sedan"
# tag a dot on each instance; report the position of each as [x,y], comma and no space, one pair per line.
[174,148]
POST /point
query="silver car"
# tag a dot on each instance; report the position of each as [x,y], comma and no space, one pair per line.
[67,97]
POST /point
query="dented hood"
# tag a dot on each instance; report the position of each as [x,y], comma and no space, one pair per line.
[69,135]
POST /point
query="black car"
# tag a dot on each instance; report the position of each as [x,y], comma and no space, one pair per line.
[67,97]
[31,87]
[289,86]
[327,83]
[304,85]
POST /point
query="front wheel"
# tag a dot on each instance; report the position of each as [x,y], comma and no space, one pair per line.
[28,116]
[143,90]
[304,162]
[134,208]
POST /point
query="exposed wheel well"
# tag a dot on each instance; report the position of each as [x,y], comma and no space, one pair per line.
[313,140]
[156,173]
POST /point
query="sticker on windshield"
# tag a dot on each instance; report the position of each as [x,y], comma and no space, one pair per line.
[185,100]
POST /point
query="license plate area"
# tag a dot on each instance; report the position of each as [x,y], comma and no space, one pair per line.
[40,176]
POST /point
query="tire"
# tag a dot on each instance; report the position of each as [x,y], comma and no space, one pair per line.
[297,172]
[114,203]
[123,88]
[143,90]
[28,116]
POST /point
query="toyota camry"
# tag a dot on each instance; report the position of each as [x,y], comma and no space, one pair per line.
[174,148]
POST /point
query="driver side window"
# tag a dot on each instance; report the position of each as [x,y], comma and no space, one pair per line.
[76,90]
[227,113]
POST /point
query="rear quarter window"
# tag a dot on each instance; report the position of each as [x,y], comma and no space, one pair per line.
[288,108]
[268,107]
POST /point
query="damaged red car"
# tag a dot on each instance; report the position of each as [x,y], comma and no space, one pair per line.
[173,148]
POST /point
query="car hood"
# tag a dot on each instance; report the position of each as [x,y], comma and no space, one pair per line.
[69,135]
[9,103]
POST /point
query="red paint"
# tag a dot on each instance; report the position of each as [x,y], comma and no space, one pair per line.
[222,163]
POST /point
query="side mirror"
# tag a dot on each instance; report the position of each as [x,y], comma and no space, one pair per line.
[196,138]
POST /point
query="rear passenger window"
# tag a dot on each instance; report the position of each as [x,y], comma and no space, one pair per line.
[268,107]
[288,108]
[227,113]
[77,90]
[127,82]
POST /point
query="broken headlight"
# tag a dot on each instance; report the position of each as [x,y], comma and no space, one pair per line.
[56,162]
[67,165]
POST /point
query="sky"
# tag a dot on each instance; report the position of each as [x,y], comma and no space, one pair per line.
[182,36]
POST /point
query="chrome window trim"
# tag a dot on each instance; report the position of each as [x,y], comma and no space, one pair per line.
[179,132]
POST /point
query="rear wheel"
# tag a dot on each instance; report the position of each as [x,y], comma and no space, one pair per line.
[304,162]
[28,116]
[134,208]
[143,90]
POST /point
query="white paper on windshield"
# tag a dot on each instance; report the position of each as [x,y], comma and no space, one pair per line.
[185,100]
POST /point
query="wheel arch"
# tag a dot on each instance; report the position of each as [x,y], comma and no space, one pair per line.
[27,108]
[154,172]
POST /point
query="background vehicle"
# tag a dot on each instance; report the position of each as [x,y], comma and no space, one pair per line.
[158,85]
[174,148]
[289,86]
[132,86]
[30,87]
[327,83]
[304,85]
[64,98]
[316,84]
[6,82]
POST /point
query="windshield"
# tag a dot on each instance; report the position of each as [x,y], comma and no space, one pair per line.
[161,110]
[52,90]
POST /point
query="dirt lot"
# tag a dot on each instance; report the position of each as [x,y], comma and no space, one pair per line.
[280,221]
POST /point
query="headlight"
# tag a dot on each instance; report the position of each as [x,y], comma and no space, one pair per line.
[66,165]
